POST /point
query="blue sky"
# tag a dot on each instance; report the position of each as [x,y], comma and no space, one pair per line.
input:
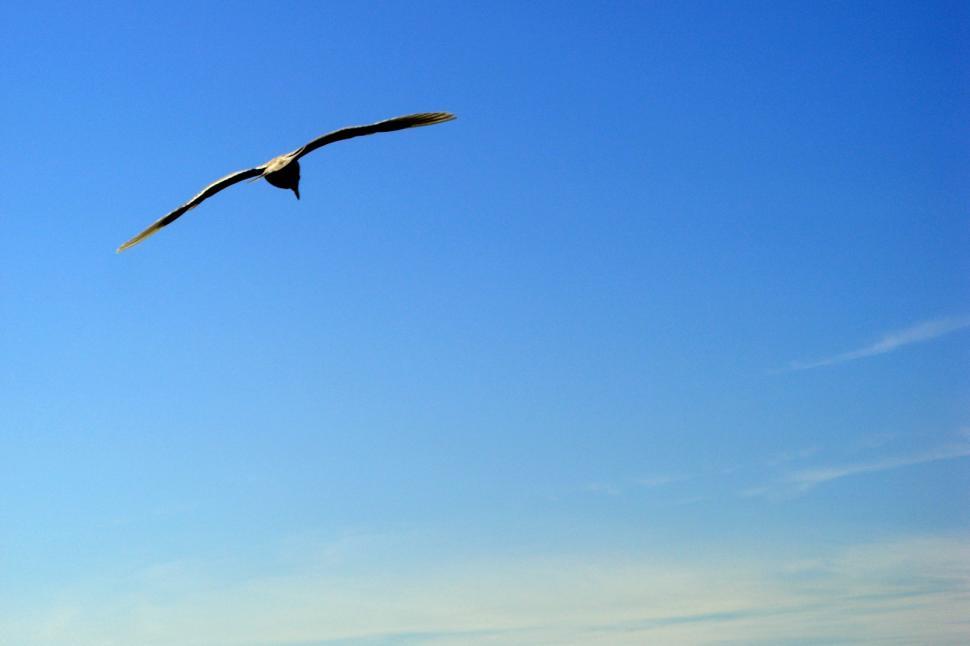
[663,340]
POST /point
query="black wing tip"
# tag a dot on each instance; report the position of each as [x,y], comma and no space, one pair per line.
[415,120]
[431,118]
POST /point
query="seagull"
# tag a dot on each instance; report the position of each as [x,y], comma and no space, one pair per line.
[284,171]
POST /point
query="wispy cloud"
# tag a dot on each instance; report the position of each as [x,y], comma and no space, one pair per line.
[792,456]
[924,331]
[660,480]
[617,488]
[605,488]
[808,478]
[801,480]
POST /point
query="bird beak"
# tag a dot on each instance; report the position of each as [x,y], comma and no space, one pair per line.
[297,191]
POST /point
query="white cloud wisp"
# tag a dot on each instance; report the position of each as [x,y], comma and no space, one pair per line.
[891,341]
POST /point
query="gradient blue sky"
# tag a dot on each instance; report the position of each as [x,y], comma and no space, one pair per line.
[663,341]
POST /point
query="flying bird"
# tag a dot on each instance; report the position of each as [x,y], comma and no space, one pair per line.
[284,171]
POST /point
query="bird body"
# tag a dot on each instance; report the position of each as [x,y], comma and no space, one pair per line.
[284,171]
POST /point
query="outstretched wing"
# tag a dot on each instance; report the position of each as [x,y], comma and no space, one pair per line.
[207,192]
[388,125]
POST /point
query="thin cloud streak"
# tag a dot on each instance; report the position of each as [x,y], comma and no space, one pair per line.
[925,331]
[802,480]
[660,480]
[808,478]
[603,488]
[618,488]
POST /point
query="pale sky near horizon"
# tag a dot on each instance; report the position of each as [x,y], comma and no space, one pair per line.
[664,340]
